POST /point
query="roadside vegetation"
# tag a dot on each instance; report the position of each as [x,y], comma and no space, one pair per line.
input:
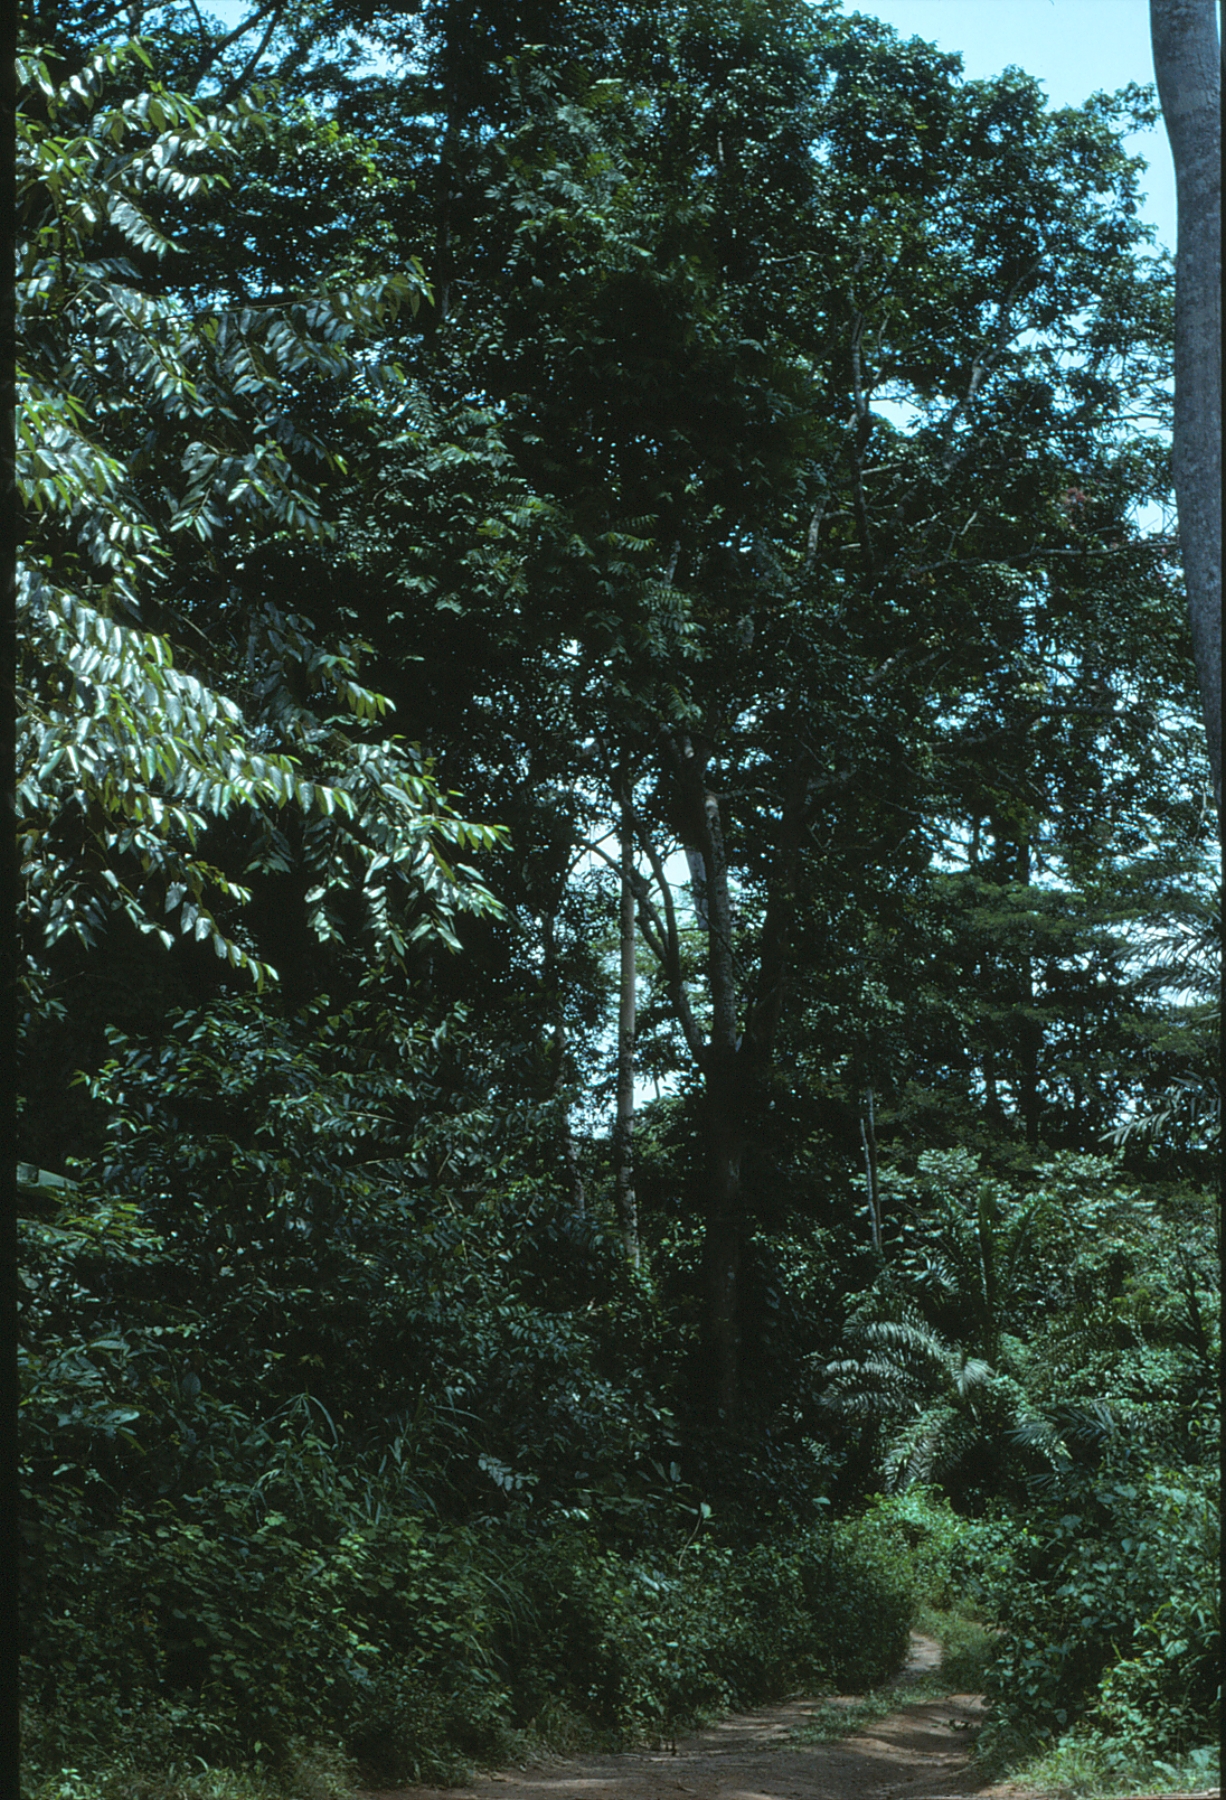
[576,551]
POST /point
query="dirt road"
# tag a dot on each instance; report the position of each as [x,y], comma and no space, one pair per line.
[919,1752]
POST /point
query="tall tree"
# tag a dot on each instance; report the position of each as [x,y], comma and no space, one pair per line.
[647,485]
[689,284]
[1188,66]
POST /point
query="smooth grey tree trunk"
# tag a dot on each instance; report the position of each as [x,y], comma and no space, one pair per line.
[623,1130]
[1187,65]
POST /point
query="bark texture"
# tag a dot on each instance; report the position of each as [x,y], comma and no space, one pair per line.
[1187,65]
[868,1137]
[570,1158]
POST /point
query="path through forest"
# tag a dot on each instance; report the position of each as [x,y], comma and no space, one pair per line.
[921,1751]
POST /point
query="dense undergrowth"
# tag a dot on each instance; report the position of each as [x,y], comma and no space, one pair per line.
[299,1586]
[208,1581]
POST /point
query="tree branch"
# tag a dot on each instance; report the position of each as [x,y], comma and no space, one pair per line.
[672,963]
[216,47]
[235,87]
[655,932]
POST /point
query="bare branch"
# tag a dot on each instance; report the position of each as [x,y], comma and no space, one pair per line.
[214,48]
[235,87]
[672,967]
[815,525]
[983,365]
[653,927]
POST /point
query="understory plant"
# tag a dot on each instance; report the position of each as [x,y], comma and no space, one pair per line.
[1110,1617]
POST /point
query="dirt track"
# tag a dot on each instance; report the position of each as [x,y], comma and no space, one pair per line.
[920,1752]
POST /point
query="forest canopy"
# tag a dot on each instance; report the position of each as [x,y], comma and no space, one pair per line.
[620,892]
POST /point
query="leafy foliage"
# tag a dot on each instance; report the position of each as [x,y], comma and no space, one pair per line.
[144,421]
[1111,1614]
[756,456]
[189,1540]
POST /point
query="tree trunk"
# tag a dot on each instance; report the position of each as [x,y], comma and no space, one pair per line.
[1029,1029]
[993,1110]
[868,1137]
[574,1177]
[623,1129]
[570,1159]
[732,1063]
[721,1250]
[724,1099]
[1187,64]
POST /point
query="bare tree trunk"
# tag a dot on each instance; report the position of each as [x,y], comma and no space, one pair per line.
[574,1178]
[623,1130]
[721,1249]
[732,1063]
[1187,64]
[1030,1043]
[725,1078]
[991,1093]
[868,1137]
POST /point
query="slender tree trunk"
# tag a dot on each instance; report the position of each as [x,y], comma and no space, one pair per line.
[1187,64]
[724,1099]
[574,1178]
[721,1250]
[623,1130]
[1030,1031]
[992,1107]
[442,269]
[868,1137]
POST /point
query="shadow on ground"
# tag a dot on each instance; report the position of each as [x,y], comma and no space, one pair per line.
[919,1752]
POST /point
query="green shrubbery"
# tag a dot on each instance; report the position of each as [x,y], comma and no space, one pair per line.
[205,1579]
[1110,1614]
[950,1560]
[416,1647]
[426,1513]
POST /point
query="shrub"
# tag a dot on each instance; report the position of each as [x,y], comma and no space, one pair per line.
[642,1647]
[947,1559]
[1111,1615]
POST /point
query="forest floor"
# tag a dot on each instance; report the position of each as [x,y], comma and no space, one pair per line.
[919,1751]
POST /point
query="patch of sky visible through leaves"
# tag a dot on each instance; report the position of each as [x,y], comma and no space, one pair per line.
[1073,48]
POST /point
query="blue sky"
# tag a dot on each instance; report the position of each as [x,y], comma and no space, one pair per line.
[1073,47]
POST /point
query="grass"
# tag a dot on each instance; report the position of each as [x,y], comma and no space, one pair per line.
[1086,1768]
[966,1647]
[1081,1766]
[309,1773]
[835,1719]
[201,1784]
